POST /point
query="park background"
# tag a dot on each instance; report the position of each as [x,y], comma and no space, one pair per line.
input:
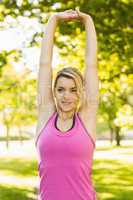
[22,23]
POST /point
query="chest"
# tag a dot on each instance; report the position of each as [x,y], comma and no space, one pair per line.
[72,146]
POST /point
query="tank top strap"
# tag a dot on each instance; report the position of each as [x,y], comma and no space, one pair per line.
[51,118]
[81,124]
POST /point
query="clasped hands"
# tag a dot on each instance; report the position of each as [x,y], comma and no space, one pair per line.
[69,15]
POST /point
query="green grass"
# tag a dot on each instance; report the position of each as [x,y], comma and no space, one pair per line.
[9,192]
[19,178]
[113,180]
[18,167]
[112,174]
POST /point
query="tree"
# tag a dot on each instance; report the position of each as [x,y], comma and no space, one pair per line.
[114,31]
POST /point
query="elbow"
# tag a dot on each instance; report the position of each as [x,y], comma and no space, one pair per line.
[45,63]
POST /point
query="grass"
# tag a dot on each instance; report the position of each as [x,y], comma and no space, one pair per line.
[18,171]
[17,178]
[112,172]
[113,180]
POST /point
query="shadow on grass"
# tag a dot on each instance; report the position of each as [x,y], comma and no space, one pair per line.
[15,193]
[113,180]
[108,148]
[19,166]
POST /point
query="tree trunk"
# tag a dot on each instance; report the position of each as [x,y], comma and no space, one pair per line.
[111,135]
[20,135]
[7,136]
[118,138]
[7,128]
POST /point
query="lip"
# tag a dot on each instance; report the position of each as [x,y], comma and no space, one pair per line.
[64,102]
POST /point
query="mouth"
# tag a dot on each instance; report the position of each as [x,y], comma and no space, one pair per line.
[66,103]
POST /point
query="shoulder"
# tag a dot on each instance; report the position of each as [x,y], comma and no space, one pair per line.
[88,116]
[43,117]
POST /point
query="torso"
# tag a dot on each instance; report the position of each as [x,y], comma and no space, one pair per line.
[89,126]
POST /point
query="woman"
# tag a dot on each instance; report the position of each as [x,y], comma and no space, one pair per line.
[66,129]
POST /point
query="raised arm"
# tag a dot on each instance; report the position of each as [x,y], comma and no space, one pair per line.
[45,65]
[45,99]
[91,71]
[90,104]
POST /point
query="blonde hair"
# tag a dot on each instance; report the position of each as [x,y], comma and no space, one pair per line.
[75,74]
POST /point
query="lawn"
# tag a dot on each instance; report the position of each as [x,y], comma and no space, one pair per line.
[18,172]
[112,172]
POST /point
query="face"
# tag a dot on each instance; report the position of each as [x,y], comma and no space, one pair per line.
[66,94]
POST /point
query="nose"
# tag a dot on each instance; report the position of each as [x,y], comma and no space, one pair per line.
[66,95]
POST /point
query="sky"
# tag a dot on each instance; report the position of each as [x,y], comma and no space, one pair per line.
[17,35]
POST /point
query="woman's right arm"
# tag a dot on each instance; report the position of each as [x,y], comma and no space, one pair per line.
[45,100]
[44,92]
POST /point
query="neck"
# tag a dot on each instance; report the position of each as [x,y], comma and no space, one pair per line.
[65,115]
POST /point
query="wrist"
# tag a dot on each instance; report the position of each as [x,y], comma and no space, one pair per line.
[87,19]
[54,18]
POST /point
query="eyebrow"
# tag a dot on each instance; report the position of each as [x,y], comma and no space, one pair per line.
[71,88]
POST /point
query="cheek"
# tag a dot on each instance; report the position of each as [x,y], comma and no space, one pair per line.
[75,97]
[58,96]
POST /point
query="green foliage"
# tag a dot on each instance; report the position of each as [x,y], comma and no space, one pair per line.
[6,57]
[17,103]
[115,65]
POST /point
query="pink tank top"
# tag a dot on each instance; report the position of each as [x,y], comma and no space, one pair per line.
[65,162]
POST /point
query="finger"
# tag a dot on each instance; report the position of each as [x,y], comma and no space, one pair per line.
[73,12]
[70,10]
[78,11]
[77,8]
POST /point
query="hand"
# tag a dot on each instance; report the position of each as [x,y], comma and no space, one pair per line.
[67,15]
[82,16]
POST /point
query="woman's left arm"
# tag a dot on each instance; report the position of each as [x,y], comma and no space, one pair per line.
[88,111]
[91,72]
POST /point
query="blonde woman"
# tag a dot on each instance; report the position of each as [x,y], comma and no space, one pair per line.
[66,129]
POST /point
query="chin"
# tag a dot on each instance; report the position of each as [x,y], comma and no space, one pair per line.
[68,109]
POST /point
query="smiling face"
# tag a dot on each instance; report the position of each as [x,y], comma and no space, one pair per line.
[66,94]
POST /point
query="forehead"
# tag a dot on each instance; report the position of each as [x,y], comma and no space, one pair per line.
[65,82]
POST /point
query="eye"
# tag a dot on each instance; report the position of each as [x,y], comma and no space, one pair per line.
[74,90]
[60,89]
